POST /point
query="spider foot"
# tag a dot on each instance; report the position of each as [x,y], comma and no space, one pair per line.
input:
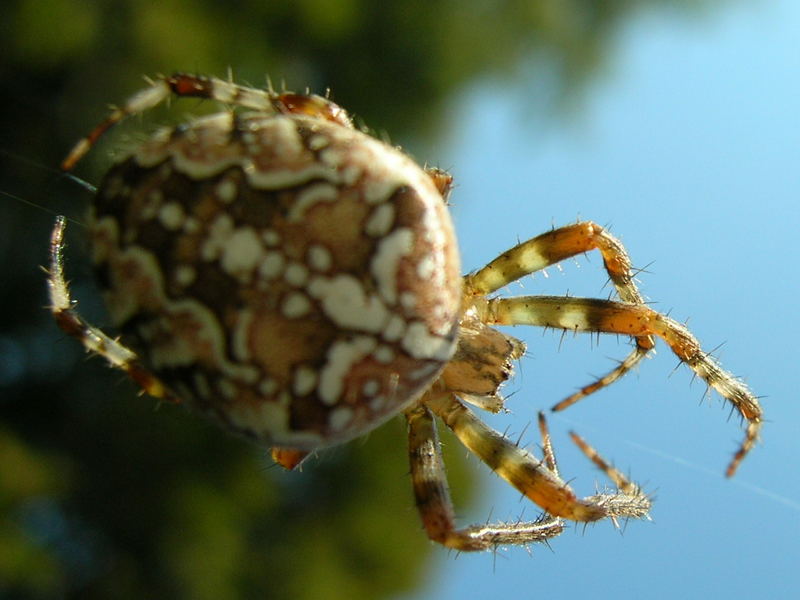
[537,479]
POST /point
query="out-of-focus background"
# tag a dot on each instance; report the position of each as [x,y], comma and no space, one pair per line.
[673,122]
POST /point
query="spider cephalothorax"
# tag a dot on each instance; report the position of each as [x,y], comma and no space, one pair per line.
[298,281]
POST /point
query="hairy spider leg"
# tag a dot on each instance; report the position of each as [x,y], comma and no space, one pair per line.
[435,505]
[553,247]
[117,354]
[528,474]
[211,88]
[624,485]
[547,447]
[93,339]
[607,316]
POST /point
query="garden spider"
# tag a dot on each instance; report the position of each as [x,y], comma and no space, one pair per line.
[298,281]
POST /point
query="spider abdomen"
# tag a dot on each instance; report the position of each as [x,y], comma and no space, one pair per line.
[293,277]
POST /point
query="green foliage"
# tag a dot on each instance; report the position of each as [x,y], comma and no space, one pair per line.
[27,478]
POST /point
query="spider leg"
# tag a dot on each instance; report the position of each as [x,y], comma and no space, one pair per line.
[211,88]
[630,491]
[547,446]
[606,316]
[436,507]
[289,458]
[93,339]
[623,484]
[552,247]
[529,475]
[624,366]
[442,180]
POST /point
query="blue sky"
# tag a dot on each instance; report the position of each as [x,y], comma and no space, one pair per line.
[688,148]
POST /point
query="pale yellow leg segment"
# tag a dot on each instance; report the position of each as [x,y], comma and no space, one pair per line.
[93,339]
[162,88]
[227,92]
[436,507]
[551,248]
[138,103]
[528,474]
[605,316]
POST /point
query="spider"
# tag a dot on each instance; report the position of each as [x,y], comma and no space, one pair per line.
[298,281]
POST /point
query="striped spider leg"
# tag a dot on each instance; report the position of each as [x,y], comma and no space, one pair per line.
[536,479]
[553,247]
[630,316]
[183,85]
[93,339]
